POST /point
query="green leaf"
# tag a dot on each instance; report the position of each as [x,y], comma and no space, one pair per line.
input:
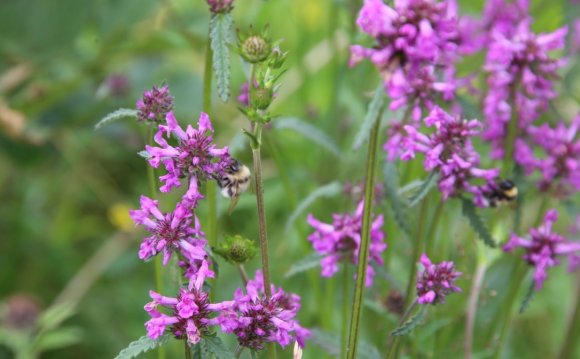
[215,346]
[309,131]
[398,205]
[329,190]
[424,189]
[58,338]
[528,298]
[330,343]
[55,315]
[220,27]
[306,263]
[196,352]
[115,116]
[373,110]
[468,210]
[410,324]
[142,345]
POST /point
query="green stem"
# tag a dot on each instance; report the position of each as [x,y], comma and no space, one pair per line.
[187,350]
[519,272]
[243,273]
[573,331]
[417,251]
[472,308]
[365,239]
[158,259]
[207,74]
[433,227]
[394,341]
[239,351]
[345,307]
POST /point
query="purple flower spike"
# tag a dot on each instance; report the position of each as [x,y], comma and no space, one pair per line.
[189,312]
[521,74]
[341,241]
[544,246]
[560,163]
[256,319]
[449,151]
[170,232]
[436,281]
[155,104]
[195,156]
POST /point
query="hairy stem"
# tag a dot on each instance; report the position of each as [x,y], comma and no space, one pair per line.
[243,273]
[511,135]
[158,259]
[363,256]
[186,349]
[472,308]
[573,331]
[345,307]
[394,341]
[417,251]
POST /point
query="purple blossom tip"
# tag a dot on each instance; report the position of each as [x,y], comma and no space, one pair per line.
[436,281]
[154,104]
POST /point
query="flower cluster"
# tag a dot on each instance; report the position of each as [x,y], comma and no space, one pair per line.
[436,281]
[412,40]
[560,163]
[520,80]
[189,311]
[154,104]
[341,241]
[544,246]
[449,151]
[256,319]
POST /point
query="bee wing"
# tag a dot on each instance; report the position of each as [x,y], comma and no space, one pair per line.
[233,203]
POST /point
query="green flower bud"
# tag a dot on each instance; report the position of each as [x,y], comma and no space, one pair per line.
[255,48]
[236,249]
[262,98]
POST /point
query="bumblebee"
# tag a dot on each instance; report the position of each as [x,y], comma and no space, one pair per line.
[234,181]
[501,193]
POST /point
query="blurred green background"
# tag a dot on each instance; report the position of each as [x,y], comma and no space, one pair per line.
[65,188]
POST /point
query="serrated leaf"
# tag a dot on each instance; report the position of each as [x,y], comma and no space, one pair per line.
[528,298]
[55,315]
[215,346]
[329,190]
[330,343]
[398,205]
[196,352]
[468,210]
[220,27]
[58,338]
[426,185]
[373,110]
[115,116]
[410,324]
[142,345]
[309,131]
[304,264]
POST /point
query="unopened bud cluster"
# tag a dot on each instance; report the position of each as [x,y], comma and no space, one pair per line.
[236,249]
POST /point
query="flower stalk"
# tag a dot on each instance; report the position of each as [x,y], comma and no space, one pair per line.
[345,308]
[394,341]
[365,239]
[417,251]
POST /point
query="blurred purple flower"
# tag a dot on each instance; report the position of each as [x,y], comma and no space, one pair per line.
[195,156]
[217,6]
[521,74]
[411,38]
[341,241]
[256,319]
[560,163]
[244,96]
[170,232]
[544,246]
[155,104]
[449,151]
[436,281]
[575,39]
[189,312]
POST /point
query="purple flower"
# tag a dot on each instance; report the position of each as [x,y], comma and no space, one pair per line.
[575,40]
[504,17]
[169,232]
[559,162]
[521,74]
[544,246]
[244,96]
[155,104]
[189,312]
[436,281]
[341,241]
[195,156]
[256,319]
[449,151]
[216,6]
[411,39]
